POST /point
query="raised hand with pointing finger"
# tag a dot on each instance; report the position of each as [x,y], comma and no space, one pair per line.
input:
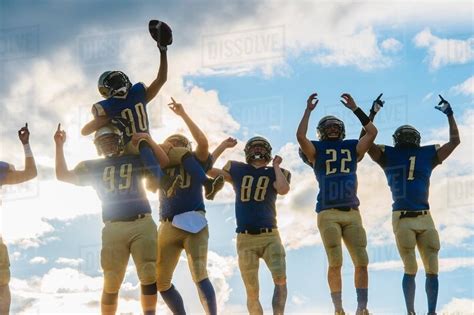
[444,106]
[60,136]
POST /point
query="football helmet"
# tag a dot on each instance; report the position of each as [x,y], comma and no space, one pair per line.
[406,135]
[178,140]
[258,148]
[109,141]
[113,83]
[327,122]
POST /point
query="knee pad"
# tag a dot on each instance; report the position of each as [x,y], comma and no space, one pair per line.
[431,252]
[163,284]
[147,273]
[332,242]
[112,282]
[279,280]
[109,298]
[149,289]
[361,258]
[334,255]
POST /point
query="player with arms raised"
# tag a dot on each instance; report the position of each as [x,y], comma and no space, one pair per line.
[334,162]
[183,223]
[126,213]
[408,168]
[10,176]
[256,188]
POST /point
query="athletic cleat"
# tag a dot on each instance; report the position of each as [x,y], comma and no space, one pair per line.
[212,186]
[362,312]
[170,184]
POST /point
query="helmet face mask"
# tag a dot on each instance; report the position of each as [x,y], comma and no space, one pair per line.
[178,140]
[331,128]
[406,136]
[258,149]
[113,83]
[108,141]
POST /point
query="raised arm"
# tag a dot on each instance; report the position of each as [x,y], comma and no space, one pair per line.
[94,125]
[162,34]
[224,145]
[30,172]
[155,86]
[158,150]
[214,172]
[375,152]
[306,146]
[281,184]
[62,172]
[202,148]
[446,149]
[367,140]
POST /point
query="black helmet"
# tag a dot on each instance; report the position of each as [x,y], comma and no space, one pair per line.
[113,83]
[406,135]
[258,141]
[327,121]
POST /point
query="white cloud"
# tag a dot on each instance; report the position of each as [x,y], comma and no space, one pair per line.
[458,306]
[391,45]
[38,260]
[427,97]
[71,262]
[466,87]
[360,50]
[445,51]
[445,264]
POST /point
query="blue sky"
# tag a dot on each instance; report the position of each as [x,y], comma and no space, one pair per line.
[240,69]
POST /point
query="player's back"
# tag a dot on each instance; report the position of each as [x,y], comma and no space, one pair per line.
[255,195]
[189,196]
[118,182]
[408,171]
[335,169]
[131,107]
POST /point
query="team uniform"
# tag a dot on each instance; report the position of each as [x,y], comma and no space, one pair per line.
[4,260]
[129,227]
[132,107]
[171,239]
[337,203]
[255,211]
[408,172]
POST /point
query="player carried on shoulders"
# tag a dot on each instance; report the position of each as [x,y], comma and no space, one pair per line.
[125,107]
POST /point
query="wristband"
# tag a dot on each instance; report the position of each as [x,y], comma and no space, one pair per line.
[27,149]
[364,119]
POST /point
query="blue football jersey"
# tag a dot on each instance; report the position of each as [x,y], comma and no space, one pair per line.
[335,169]
[188,196]
[255,196]
[4,167]
[118,183]
[131,107]
[408,172]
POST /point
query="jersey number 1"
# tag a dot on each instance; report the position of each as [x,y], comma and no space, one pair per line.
[411,170]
